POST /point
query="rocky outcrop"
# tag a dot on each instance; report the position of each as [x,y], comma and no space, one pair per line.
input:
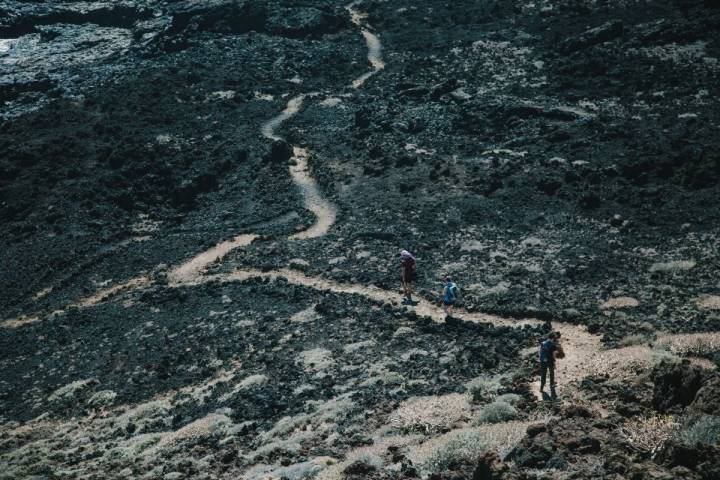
[675,384]
[707,399]
[220,16]
[24,20]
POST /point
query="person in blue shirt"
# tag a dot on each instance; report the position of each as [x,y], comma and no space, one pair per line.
[550,349]
[449,295]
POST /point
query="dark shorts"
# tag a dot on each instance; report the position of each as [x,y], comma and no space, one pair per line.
[448,302]
[407,276]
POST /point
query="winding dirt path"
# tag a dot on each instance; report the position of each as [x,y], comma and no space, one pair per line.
[584,352]
[292,108]
[313,199]
[373,44]
[324,211]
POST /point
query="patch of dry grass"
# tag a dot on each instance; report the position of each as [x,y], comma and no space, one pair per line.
[619,302]
[429,415]
[708,302]
[691,343]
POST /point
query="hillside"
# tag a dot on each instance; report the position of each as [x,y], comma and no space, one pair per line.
[202,205]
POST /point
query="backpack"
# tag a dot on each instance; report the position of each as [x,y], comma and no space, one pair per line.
[453,292]
[547,348]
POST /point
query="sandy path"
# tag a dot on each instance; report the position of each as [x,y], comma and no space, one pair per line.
[324,211]
[194,267]
[584,352]
[373,44]
[291,109]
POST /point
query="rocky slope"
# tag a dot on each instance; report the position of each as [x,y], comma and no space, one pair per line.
[201,203]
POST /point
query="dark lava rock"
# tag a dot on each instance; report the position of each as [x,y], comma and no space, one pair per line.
[227,456]
[534,452]
[583,444]
[675,384]
[577,411]
[363,118]
[593,327]
[536,429]
[490,467]
[677,454]
[305,22]
[594,36]
[220,16]
[707,399]
[280,152]
[359,467]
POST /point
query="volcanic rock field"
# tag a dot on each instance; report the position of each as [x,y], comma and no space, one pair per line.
[202,204]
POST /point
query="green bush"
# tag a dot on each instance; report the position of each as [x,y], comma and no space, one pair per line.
[705,431]
[465,447]
[497,412]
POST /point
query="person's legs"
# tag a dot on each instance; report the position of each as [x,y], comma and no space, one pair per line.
[551,367]
[543,375]
[449,309]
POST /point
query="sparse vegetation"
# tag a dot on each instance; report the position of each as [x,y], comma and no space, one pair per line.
[465,446]
[632,340]
[497,411]
[430,414]
[697,344]
[483,387]
[511,398]
[649,434]
[705,431]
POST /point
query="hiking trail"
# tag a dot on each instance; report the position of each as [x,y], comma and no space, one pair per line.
[584,353]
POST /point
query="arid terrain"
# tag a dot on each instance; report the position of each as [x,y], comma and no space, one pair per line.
[202,204]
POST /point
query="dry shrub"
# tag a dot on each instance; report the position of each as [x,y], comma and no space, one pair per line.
[693,344]
[430,414]
[463,447]
[649,434]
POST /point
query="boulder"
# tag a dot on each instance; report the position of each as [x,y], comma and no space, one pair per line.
[534,452]
[280,152]
[707,399]
[675,384]
[490,467]
[359,467]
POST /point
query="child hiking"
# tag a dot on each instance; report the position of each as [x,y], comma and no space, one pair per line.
[449,295]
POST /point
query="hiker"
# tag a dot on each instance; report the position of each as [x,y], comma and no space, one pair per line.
[407,269]
[550,349]
[449,294]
